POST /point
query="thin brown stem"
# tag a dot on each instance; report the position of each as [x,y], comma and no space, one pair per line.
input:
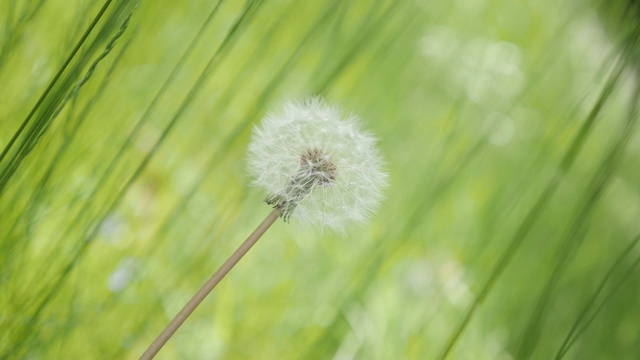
[166,334]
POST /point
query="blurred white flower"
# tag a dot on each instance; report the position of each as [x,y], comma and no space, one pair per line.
[122,274]
[316,165]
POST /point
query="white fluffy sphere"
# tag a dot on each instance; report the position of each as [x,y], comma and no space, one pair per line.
[317,166]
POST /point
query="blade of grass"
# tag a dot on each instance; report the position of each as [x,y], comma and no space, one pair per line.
[575,234]
[535,212]
[53,81]
[582,322]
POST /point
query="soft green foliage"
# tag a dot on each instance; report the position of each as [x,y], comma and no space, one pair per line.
[510,222]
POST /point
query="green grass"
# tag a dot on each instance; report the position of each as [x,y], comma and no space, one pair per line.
[510,228]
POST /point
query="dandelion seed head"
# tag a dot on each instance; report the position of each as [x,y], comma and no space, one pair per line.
[316,165]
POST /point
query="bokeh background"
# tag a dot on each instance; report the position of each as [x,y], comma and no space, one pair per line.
[509,129]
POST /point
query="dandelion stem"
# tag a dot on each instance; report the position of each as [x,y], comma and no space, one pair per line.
[166,334]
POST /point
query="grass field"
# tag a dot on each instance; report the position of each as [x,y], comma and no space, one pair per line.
[509,230]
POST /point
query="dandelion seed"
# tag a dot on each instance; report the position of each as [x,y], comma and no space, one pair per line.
[316,165]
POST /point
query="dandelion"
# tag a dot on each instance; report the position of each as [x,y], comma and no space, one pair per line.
[317,167]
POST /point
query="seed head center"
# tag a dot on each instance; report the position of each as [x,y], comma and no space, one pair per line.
[315,169]
[316,164]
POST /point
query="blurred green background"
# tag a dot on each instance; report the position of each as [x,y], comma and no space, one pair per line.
[509,230]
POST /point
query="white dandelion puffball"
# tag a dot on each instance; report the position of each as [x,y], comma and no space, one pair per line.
[316,165]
